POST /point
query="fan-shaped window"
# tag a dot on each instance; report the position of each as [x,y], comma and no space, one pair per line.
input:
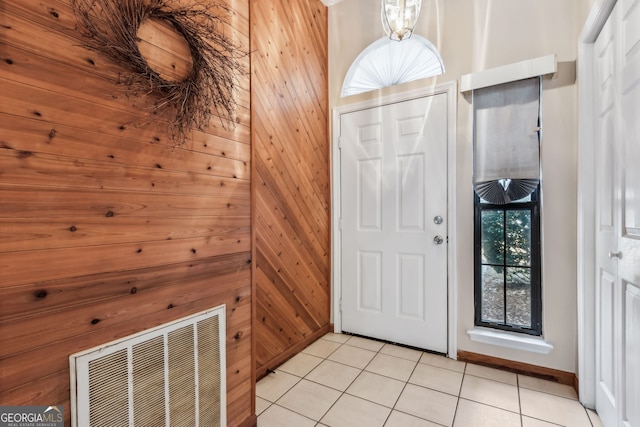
[386,62]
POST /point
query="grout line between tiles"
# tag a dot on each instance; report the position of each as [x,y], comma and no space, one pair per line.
[542,420]
[519,400]
[455,412]
[295,412]
[589,417]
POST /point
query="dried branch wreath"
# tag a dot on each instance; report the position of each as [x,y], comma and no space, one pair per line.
[111,28]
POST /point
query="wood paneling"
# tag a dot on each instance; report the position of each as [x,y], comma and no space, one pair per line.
[107,226]
[291,228]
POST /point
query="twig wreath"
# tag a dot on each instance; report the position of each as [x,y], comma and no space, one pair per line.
[111,28]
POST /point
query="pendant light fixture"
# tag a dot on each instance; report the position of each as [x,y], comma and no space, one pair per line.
[399,17]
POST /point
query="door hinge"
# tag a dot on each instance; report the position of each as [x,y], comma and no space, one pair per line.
[340,305]
[339,143]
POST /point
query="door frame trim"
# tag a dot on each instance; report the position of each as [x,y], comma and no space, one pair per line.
[450,89]
[586,274]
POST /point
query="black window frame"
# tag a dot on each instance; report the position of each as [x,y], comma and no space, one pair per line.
[532,206]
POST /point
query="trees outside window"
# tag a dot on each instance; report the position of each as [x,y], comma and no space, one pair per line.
[507,265]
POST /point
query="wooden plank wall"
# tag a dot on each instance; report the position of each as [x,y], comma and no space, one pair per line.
[107,226]
[289,116]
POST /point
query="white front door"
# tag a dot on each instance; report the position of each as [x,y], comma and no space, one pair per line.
[617,52]
[394,222]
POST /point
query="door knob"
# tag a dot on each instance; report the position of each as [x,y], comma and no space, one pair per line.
[437,219]
[615,255]
[438,240]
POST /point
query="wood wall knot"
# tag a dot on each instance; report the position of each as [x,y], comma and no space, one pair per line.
[95,321]
[40,294]
[134,290]
[238,335]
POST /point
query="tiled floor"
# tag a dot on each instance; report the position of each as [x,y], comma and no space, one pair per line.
[341,380]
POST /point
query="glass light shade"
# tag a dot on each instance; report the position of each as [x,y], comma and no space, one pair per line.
[399,17]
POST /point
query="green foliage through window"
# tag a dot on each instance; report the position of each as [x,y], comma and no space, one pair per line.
[507,265]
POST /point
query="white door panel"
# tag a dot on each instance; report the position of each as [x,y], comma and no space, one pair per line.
[631,408]
[606,373]
[393,183]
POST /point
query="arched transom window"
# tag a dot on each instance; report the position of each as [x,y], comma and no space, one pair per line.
[386,62]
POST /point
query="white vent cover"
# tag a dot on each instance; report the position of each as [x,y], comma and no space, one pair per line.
[173,375]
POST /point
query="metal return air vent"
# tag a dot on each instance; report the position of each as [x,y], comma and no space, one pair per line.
[173,375]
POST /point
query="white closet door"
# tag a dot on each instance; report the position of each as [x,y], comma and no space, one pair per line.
[629,236]
[618,217]
[607,311]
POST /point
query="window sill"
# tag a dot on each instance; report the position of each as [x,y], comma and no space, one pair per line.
[510,340]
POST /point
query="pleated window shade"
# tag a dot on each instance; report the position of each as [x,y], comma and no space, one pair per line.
[507,127]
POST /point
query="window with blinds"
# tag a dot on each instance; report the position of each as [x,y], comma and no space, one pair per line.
[506,181]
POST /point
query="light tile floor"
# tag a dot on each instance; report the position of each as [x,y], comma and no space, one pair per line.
[344,381]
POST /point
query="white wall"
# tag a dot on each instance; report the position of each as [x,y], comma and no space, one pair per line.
[473,36]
